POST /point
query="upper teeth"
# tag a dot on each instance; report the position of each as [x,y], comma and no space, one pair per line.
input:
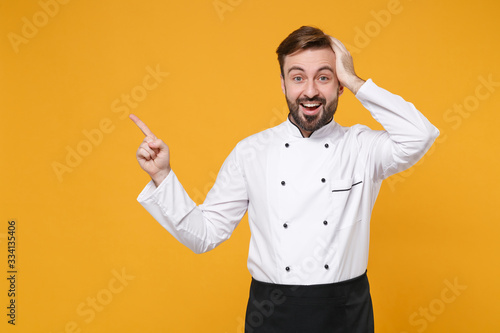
[310,105]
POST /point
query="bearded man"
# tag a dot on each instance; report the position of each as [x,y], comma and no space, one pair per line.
[309,186]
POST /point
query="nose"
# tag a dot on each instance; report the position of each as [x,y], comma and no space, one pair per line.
[311,90]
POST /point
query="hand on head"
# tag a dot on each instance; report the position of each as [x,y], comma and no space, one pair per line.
[344,66]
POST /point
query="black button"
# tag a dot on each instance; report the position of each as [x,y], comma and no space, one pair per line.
[323,180]
[325,222]
[283,182]
[326,145]
[287,269]
[285,225]
[287,145]
[326,266]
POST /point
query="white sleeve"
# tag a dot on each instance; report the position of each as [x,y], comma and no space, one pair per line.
[200,228]
[407,136]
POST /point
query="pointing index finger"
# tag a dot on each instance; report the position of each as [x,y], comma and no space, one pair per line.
[142,126]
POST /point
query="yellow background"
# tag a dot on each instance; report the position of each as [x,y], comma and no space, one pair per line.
[434,225]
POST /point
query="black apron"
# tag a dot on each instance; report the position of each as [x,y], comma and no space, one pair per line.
[343,307]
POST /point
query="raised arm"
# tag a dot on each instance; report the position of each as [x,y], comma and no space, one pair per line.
[199,228]
[408,134]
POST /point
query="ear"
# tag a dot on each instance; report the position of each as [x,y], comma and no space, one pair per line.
[341,90]
[283,84]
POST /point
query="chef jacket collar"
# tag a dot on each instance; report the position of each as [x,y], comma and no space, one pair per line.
[325,131]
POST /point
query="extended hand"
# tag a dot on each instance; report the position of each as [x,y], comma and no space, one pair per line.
[345,67]
[153,154]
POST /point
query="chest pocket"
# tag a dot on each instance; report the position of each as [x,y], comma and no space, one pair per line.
[345,196]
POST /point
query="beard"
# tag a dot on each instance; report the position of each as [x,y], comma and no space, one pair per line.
[312,123]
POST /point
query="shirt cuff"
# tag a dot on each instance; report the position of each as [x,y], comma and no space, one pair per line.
[151,188]
[365,88]
[168,199]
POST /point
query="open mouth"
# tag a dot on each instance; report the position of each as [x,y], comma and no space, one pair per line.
[311,108]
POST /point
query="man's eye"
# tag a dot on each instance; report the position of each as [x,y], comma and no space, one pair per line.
[323,78]
[297,79]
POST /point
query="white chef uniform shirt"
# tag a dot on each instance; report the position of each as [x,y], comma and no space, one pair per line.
[309,200]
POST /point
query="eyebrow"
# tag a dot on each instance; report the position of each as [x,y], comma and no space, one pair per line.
[302,70]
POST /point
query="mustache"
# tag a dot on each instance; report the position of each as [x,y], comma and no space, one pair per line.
[311,100]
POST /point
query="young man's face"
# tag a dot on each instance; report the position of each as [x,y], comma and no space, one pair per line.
[311,87]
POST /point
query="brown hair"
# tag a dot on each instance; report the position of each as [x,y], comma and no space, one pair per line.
[305,37]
